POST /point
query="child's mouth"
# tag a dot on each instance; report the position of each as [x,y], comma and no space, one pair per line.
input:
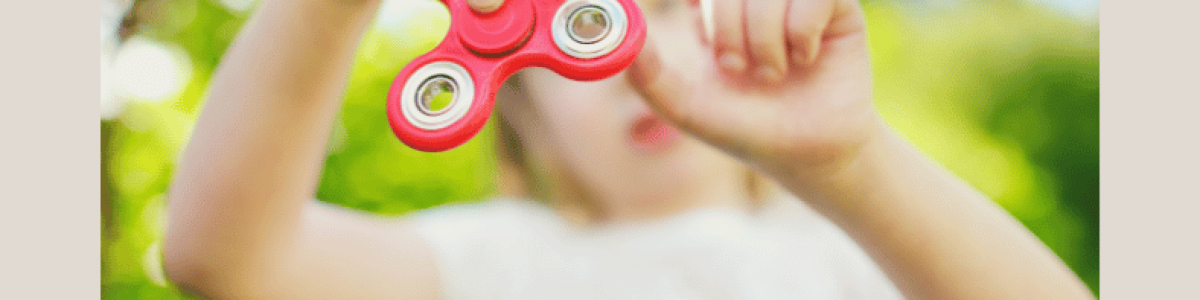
[652,134]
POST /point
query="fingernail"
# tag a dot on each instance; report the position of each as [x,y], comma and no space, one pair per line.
[768,74]
[733,62]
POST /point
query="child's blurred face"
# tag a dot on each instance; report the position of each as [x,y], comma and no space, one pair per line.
[607,137]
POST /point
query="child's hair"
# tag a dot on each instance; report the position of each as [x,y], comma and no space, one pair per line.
[523,174]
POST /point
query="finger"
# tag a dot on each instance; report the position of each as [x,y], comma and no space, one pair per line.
[806,22]
[703,25]
[728,34]
[847,19]
[663,88]
[705,21]
[765,21]
[686,103]
[485,6]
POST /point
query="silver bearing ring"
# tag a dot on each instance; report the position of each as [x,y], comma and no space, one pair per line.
[431,82]
[588,29]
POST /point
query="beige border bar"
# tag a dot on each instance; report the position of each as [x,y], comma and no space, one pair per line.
[49,158]
[1150,141]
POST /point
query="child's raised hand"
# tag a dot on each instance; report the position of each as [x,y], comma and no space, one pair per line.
[791,93]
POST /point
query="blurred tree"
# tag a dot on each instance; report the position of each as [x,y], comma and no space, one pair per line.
[115,28]
[1006,95]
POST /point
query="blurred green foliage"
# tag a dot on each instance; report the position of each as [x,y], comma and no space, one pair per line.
[1006,95]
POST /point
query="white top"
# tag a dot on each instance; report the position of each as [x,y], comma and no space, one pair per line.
[518,249]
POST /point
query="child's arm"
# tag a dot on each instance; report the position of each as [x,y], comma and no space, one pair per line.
[242,220]
[935,235]
[790,94]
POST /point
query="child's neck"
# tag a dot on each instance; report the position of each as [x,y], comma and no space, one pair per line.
[725,195]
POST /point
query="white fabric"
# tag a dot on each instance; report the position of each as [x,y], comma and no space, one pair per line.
[517,249]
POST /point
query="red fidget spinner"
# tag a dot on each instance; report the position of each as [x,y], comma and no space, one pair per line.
[578,39]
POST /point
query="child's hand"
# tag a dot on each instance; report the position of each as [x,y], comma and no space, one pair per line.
[793,93]
[485,6]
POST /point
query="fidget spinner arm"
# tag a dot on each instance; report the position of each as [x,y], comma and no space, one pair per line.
[579,39]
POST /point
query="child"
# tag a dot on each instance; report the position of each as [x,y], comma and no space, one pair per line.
[654,184]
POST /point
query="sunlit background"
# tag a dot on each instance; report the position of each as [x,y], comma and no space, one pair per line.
[1004,94]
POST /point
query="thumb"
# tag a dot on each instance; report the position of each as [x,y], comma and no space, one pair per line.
[485,6]
[663,88]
